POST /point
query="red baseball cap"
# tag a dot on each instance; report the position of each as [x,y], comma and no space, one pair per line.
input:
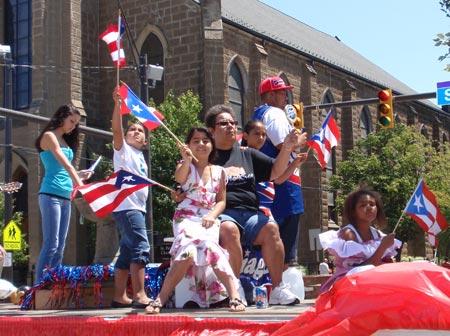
[273,84]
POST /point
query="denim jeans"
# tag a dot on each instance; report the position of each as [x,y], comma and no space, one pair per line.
[134,244]
[289,233]
[55,215]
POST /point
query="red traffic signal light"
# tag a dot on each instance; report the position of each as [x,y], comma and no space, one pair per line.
[386,109]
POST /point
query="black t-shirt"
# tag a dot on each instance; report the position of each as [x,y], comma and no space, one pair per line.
[244,168]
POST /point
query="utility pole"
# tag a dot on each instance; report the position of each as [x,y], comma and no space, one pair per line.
[7,103]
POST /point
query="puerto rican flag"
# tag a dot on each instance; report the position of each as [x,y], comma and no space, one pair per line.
[103,197]
[324,140]
[113,39]
[425,211]
[266,194]
[147,115]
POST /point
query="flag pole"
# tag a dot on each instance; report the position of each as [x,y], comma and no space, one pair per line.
[398,222]
[404,210]
[118,47]
[176,139]
[153,182]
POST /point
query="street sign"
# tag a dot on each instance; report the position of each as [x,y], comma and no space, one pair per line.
[12,237]
[443,93]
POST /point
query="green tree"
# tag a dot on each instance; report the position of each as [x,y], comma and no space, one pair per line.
[391,162]
[180,113]
[443,39]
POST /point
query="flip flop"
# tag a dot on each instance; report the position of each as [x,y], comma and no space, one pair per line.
[116,304]
[138,305]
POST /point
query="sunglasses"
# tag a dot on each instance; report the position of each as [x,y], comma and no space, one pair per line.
[224,123]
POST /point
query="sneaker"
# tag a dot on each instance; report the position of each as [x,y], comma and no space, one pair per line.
[281,295]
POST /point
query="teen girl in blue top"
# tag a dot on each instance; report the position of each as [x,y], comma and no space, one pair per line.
[56,145]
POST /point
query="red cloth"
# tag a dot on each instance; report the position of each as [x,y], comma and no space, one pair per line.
[413,295]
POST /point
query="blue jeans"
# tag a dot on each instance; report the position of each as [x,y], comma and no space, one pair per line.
[134,245]
[290,234]
[55,215]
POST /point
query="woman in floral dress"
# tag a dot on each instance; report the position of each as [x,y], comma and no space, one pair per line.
[196,253]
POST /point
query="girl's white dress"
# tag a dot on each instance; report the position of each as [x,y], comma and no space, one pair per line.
[349,254]
[200,243]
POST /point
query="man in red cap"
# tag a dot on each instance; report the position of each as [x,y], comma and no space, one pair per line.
[288,202]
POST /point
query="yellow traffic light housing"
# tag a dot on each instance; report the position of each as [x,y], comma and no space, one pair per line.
[294,113]
[386,109]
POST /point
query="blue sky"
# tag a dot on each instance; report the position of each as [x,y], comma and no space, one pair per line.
[406,27]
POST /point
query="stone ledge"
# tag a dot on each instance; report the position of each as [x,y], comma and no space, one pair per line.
[312,285]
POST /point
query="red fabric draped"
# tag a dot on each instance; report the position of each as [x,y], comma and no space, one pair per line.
[413,295]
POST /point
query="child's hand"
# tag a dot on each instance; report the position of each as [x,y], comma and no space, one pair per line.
[85,174]
[387,241]
[185,152]
[178,195]
[116,96]
[300,159]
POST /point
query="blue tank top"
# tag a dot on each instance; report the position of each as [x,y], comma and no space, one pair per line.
[56,180]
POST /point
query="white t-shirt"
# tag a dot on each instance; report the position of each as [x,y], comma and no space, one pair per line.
[323,268]
[277,125]
[132,160]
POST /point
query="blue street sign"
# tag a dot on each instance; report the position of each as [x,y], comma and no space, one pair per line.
[443,93]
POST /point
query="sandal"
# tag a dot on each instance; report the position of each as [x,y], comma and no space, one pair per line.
[236,305]
[154,307]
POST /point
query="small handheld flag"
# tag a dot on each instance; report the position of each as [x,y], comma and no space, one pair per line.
[425,211]
[324,140]
[147,115]
[105,196]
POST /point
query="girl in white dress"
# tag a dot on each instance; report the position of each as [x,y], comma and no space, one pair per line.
[359,246]
[196,248]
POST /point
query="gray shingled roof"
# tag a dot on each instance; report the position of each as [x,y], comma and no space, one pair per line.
[268,22]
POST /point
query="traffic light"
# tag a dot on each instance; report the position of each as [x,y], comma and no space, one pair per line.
[386,109]
[294,114]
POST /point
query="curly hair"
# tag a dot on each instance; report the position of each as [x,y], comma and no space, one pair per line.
[213,112]
[350,204]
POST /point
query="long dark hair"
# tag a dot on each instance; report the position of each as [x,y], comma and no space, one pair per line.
[202,129]
[56,121]
[350,205]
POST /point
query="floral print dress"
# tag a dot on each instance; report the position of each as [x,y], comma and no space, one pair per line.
[202,244]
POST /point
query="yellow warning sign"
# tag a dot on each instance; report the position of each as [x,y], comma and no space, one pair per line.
[12,237]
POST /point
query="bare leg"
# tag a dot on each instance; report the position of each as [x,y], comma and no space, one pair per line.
[230,285]
[137,281]
[272,251]
[230,239]
[175,274]
[120,286]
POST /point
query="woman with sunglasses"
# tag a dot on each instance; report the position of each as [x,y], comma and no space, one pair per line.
[243,221]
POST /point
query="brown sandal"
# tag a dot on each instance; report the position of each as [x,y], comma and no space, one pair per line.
[236,305]
[154,307]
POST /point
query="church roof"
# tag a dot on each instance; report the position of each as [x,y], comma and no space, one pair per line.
[271,24]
